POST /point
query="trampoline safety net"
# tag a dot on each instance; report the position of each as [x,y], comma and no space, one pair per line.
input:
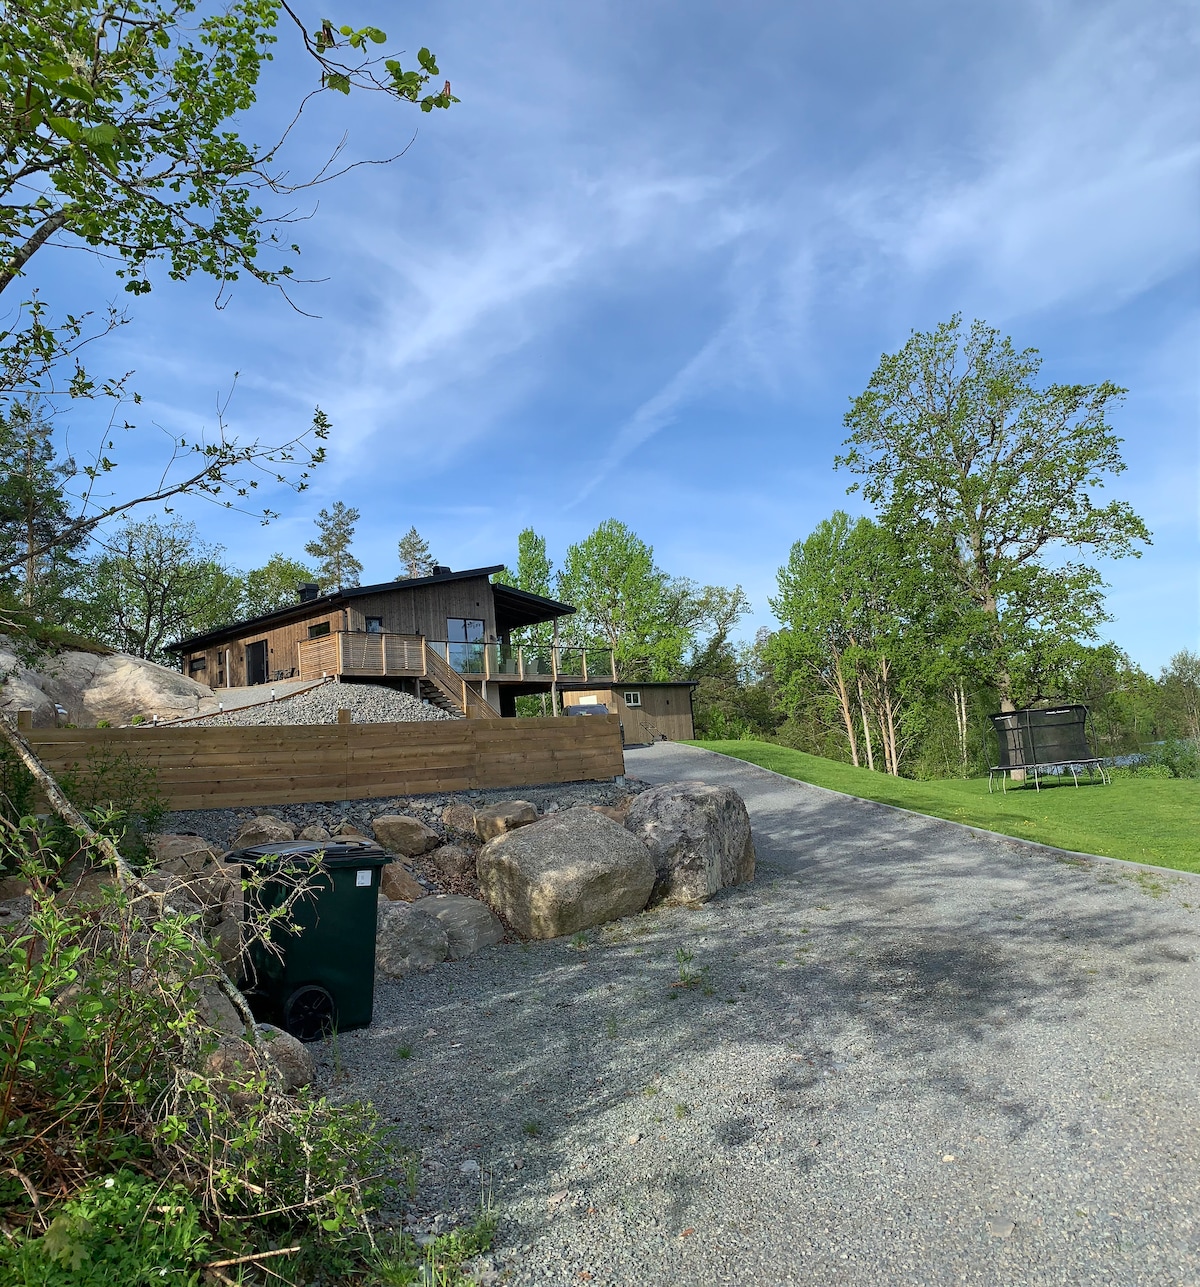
[1056,735]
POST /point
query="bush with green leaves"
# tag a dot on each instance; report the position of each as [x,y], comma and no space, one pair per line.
[109,1069]
[1180,757]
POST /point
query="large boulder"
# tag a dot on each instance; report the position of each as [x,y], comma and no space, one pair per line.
[407,939]
[469,924]
[266,829]
[314,831]
[399,884]
[97,685]
[181,855]
[452,862]
[698,836]
[13,887]
[508,815]
[289,1056]
[404,835]
[565,873]
[459,817]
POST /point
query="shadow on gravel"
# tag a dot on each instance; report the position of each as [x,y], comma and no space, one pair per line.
[538,1060]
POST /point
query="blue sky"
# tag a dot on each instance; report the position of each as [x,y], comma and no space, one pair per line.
[641,268]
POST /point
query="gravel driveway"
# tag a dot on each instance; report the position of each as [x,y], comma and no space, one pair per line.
[910,1055]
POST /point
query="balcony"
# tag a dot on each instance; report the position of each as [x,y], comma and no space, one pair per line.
[366,656]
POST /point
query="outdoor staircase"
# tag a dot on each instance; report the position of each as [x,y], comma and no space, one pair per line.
[453,694]
[435,697]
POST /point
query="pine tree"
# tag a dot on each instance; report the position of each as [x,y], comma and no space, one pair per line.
[415,559]
[33,507]
[337,567]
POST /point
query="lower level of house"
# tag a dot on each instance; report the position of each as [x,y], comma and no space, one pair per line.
[473,678]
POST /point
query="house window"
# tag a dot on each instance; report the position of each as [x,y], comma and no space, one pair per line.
[317,631]
[464,645]
[374,625]
[197,663]
[632,699]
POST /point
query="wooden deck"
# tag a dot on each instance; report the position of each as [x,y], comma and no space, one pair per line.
[358,655]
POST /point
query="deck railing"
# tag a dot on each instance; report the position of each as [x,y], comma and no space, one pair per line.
[384,655]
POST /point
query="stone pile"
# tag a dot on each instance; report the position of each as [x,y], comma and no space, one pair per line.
[367,704]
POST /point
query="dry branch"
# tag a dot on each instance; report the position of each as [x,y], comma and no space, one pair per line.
[127,877]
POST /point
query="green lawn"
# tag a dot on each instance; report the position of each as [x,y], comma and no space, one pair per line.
[1154,820]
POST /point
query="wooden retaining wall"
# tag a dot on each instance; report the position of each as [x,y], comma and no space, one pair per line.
[202,767]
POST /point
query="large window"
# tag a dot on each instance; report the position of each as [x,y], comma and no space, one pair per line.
[633,699]
[374,625]
[317,631]
[464,639]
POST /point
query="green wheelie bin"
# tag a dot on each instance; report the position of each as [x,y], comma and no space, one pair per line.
[321,979]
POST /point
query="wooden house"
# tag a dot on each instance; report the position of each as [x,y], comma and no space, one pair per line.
[650,712]
[445,637]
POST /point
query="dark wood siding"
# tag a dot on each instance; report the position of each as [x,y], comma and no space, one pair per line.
[419,610]
[423,610]
[665,711]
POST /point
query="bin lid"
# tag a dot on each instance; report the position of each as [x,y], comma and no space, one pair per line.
[337,853]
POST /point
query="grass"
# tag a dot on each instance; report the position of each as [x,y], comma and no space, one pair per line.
[1152,820]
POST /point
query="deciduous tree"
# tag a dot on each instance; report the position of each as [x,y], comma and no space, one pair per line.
[274,585]
[154,583]
[963,451]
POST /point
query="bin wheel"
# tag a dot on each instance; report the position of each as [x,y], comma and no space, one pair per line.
[309,1014]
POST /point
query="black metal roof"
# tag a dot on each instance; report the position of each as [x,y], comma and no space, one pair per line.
[515,608]
[521,608]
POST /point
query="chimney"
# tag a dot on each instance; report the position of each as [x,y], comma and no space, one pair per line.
[307,591]
[439,569]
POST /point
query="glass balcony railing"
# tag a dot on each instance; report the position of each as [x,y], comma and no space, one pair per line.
[533,661]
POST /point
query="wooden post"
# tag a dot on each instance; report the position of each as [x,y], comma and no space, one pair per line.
[343,716]
[554,671]
[24,720]
[612,661]
[583,656]
[383,651]
[521,661]
[424,663]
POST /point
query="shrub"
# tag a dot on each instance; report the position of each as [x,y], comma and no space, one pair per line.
[107,1072]
[1180,757]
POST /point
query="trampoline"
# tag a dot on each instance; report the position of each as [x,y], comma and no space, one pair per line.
[1043,742]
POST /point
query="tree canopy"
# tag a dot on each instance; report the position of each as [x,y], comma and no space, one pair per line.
[962,451]
[154,583]
[115,127]
[336,566]
[274,585]
[415,558]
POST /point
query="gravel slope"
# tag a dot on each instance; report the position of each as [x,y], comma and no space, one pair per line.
[367,703]
[914,1056]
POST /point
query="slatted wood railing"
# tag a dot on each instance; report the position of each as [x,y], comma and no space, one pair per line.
[201,767]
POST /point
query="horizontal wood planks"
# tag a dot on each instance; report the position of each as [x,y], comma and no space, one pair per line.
[214,768]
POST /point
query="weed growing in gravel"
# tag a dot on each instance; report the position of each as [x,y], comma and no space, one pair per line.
[532,1127]
[1150,885]
[439,1264]
[688,978]
[682,1111]
[404,1052]
[580,941]
[610,1026]
[652,1089]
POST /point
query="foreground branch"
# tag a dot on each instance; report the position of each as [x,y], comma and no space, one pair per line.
[126,876]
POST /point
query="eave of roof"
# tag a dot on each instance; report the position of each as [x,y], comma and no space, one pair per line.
[298,610]
[525,608]
[575,682]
